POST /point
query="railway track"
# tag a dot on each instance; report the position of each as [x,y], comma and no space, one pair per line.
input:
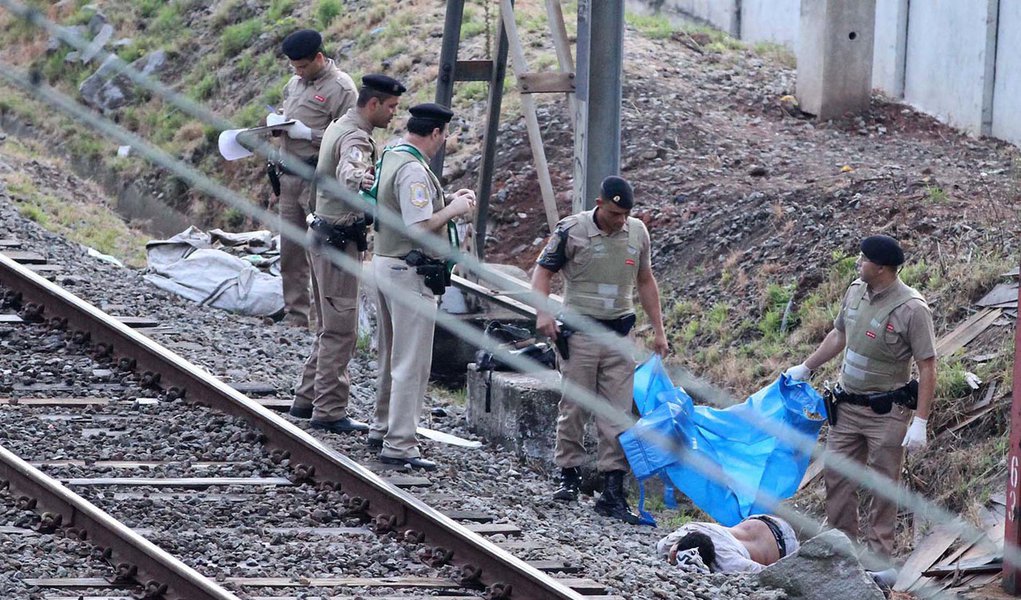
[190,489]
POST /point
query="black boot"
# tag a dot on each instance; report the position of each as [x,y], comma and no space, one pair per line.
[613,501]
[570,480]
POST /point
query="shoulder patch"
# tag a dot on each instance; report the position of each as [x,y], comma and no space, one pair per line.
[419,195]
[355,154]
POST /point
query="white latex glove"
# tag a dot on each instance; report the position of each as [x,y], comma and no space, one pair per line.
[275,118]
[299,131]
[914,439]
[799,372]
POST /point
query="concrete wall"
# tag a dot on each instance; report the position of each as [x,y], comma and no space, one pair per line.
[770,21]
[958,60]
[949,62]
[1007,89]
[891,44]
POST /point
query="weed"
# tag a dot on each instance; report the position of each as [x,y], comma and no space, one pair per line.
[234,218]
[935,194]
[236,38]
[205,87]
[778,53]
[655,27]
[33,213]
[326,11]
[277,9]
[472,91]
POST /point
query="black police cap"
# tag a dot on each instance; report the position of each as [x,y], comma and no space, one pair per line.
[618,191]
[432,112]
[384,84]
[304,43]
[882,250]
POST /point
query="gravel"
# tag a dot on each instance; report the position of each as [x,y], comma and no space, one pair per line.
[486,479]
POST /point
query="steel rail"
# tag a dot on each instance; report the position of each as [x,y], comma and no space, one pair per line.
[480,559]
[153,563]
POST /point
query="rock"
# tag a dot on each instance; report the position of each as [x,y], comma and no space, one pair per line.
[107,90]
[824,568]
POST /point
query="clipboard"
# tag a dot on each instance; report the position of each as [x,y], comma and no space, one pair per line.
[228,144]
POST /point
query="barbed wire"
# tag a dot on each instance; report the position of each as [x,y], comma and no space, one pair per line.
[865,476]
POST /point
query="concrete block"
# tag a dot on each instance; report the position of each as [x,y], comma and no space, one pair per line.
[516,411]
[889,53]
[1006,108]
[721,14]
[835,56]
[950,60]
[774,21]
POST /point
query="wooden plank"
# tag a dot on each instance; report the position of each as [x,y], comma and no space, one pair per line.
[408,481]
[545,83]
[57,402]
[521,545]
[554,566]
[562,46]
[585,587]
[10,243]
[928,551]
[520,67]
[494,529]
[185,482]
[75,582]
[967,331]
[136,322]
[25,257]
[256,388]
[814,470]
[991,564]
[308,531]
[127,464]
[8,530]
[278,404]
[42,269]
[11,319]
[189,497]
[469,515]
[1003,293]
[386,582]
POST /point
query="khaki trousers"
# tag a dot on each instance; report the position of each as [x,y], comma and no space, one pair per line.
[403,364]
[324,382]
[294,269]
[609,374]
[874,441]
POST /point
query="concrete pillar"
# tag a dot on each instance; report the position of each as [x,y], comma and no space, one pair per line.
[597,97]
[835,56]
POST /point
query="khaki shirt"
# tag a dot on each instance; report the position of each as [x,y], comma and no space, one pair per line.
[351,153]
[315,102]
[416,193]
[909,332]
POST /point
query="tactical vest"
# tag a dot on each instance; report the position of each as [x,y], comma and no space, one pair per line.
[390,241]
[600,280]
[869,365]
[329,207]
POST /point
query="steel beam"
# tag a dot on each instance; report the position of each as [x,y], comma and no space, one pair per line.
[448,68]
[599,74]
[487,165]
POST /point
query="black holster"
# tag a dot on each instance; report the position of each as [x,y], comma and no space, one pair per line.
[562,344]
[339,235]
[434,271]
[830,400]
[273,174]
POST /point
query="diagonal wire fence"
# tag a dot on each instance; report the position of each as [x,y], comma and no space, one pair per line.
[31,84]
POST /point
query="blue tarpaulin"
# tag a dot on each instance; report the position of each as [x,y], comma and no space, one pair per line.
[756,464]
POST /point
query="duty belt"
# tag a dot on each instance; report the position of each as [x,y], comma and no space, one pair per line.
[881,402]
[339,235]
[311,161]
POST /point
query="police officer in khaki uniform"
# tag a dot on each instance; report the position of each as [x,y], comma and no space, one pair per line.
[317,94]
[405,270]
[883,326]
[348,153]
[603,255]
